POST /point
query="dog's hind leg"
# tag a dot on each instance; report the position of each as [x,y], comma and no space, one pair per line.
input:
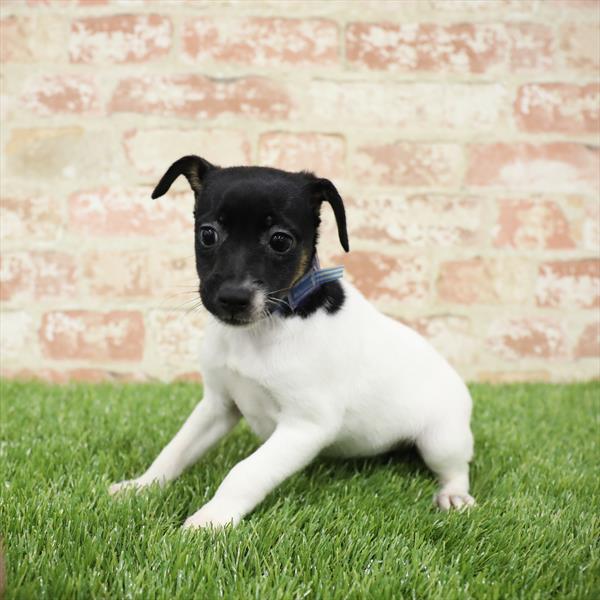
[447,449]
[209,422]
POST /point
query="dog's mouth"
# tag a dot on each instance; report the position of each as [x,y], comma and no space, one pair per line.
[236,320]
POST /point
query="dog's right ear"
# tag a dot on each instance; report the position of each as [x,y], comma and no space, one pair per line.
[192,167]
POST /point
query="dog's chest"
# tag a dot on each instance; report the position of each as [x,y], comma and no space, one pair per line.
[258,405]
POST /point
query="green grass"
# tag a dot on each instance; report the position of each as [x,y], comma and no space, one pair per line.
[341,529]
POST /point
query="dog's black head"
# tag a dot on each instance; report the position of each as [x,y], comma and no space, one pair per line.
[256,231]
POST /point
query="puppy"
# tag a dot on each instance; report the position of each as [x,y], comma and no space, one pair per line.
[312,366]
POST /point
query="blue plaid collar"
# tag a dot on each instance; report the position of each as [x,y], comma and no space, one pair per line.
[311,282]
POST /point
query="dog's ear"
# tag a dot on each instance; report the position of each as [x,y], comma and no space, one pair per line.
[322,190]
[193,168]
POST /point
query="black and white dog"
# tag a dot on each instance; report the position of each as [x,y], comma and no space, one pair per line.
[312,366]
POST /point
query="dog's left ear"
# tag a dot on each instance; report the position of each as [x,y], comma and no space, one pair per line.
[322,190]
[192,167]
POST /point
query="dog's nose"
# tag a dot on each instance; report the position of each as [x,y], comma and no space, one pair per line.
[234,298]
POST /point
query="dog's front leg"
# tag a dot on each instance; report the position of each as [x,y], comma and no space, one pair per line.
[212,418]
[290,448]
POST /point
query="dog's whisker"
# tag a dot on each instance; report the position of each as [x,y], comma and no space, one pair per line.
[195,308]
[281,290]
[280,301]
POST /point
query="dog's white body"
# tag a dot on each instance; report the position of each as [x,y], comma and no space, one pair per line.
[353,383]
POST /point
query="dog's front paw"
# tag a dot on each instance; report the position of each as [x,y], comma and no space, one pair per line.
[128,484]
[447,500]
[211,515]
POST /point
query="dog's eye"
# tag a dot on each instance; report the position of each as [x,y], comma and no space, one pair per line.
[281,242]
[208,236]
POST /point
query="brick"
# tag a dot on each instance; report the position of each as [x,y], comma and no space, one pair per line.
[518,338]
[131,211]
[151,151]
[457,48]
[26,39]
[588,344]
[531,47]
[17,336]
[321,153]
[558,167]
[568,284]
[190,377]
[62,153]
[558,107]
[37,275]
[68,375]
[478,7]
[34,218]
[122,274]
[409,163]
[55,94]
[264,42]
[195,96]
[525,224]
[175,339]
[387,279]
[120,38]
[420,220]
[174,279]
[86,335]
[484,281]
[448,106]
[584,7]
[451,335]
[591,226]
[580,45]
[513,376]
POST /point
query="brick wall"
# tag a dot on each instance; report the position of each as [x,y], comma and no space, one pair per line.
[463,136]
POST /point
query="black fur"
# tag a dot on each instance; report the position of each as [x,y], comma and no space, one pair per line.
[330,296]
[243,208]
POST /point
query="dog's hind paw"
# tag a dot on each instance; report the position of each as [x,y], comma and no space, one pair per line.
[454,500]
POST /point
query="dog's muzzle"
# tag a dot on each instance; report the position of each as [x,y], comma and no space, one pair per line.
[239,304]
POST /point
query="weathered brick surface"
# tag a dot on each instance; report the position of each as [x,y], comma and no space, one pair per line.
[420,220]
[588,344]
[200,97]
[569,284]
[484,281]
[410,164]
[87,335]
[17,337]
[562,107]
[558,166]
[130,211]
[532,224]
[261,41]
[462,48]
[580,44]
[453,107]
[29,39]
[48,95]
[463,136]
[32,219]
[120,38]
[37,276]
[518,338]
[388,279]
[149,151]
[322,153]
[57,155]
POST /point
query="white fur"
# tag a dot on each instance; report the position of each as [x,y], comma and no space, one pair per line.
[355,383]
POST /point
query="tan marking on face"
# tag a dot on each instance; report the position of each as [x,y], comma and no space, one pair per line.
[302,267]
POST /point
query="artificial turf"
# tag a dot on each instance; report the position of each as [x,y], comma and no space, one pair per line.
[340,529]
